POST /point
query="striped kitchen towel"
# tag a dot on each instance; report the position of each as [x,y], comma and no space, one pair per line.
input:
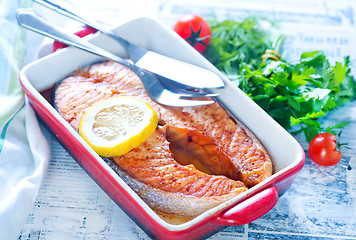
[24,151]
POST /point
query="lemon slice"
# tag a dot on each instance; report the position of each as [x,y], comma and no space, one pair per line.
[114,126]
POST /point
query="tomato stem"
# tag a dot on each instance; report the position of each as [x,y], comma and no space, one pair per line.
[340,145]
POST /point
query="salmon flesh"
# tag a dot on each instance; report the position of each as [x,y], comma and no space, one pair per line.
[198,157]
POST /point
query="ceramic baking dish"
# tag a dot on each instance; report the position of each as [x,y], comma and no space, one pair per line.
[286,153]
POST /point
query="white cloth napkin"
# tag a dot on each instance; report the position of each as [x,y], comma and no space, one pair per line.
[24,151]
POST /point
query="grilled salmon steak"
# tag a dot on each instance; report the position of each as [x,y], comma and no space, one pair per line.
[198,157]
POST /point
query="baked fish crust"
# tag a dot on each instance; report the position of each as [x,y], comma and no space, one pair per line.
[198,157]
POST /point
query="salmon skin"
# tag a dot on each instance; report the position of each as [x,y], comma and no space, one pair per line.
[198,157]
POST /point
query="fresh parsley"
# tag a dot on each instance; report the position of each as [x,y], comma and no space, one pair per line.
[296,94]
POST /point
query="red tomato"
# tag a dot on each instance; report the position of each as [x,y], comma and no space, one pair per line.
[84,31]
[195,30]
[322,150]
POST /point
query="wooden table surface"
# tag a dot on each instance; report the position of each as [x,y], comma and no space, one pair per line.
[321,203]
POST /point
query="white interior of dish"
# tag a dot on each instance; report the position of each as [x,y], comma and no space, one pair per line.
[42,74]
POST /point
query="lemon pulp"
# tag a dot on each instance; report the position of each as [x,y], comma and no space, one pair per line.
[114,126]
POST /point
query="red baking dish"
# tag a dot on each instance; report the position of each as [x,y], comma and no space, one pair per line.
[286,153]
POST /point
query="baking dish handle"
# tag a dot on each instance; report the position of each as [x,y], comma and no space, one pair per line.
[250,209]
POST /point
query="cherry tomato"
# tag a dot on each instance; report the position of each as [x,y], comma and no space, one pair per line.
[82,32]
[322,150]
[195,30]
